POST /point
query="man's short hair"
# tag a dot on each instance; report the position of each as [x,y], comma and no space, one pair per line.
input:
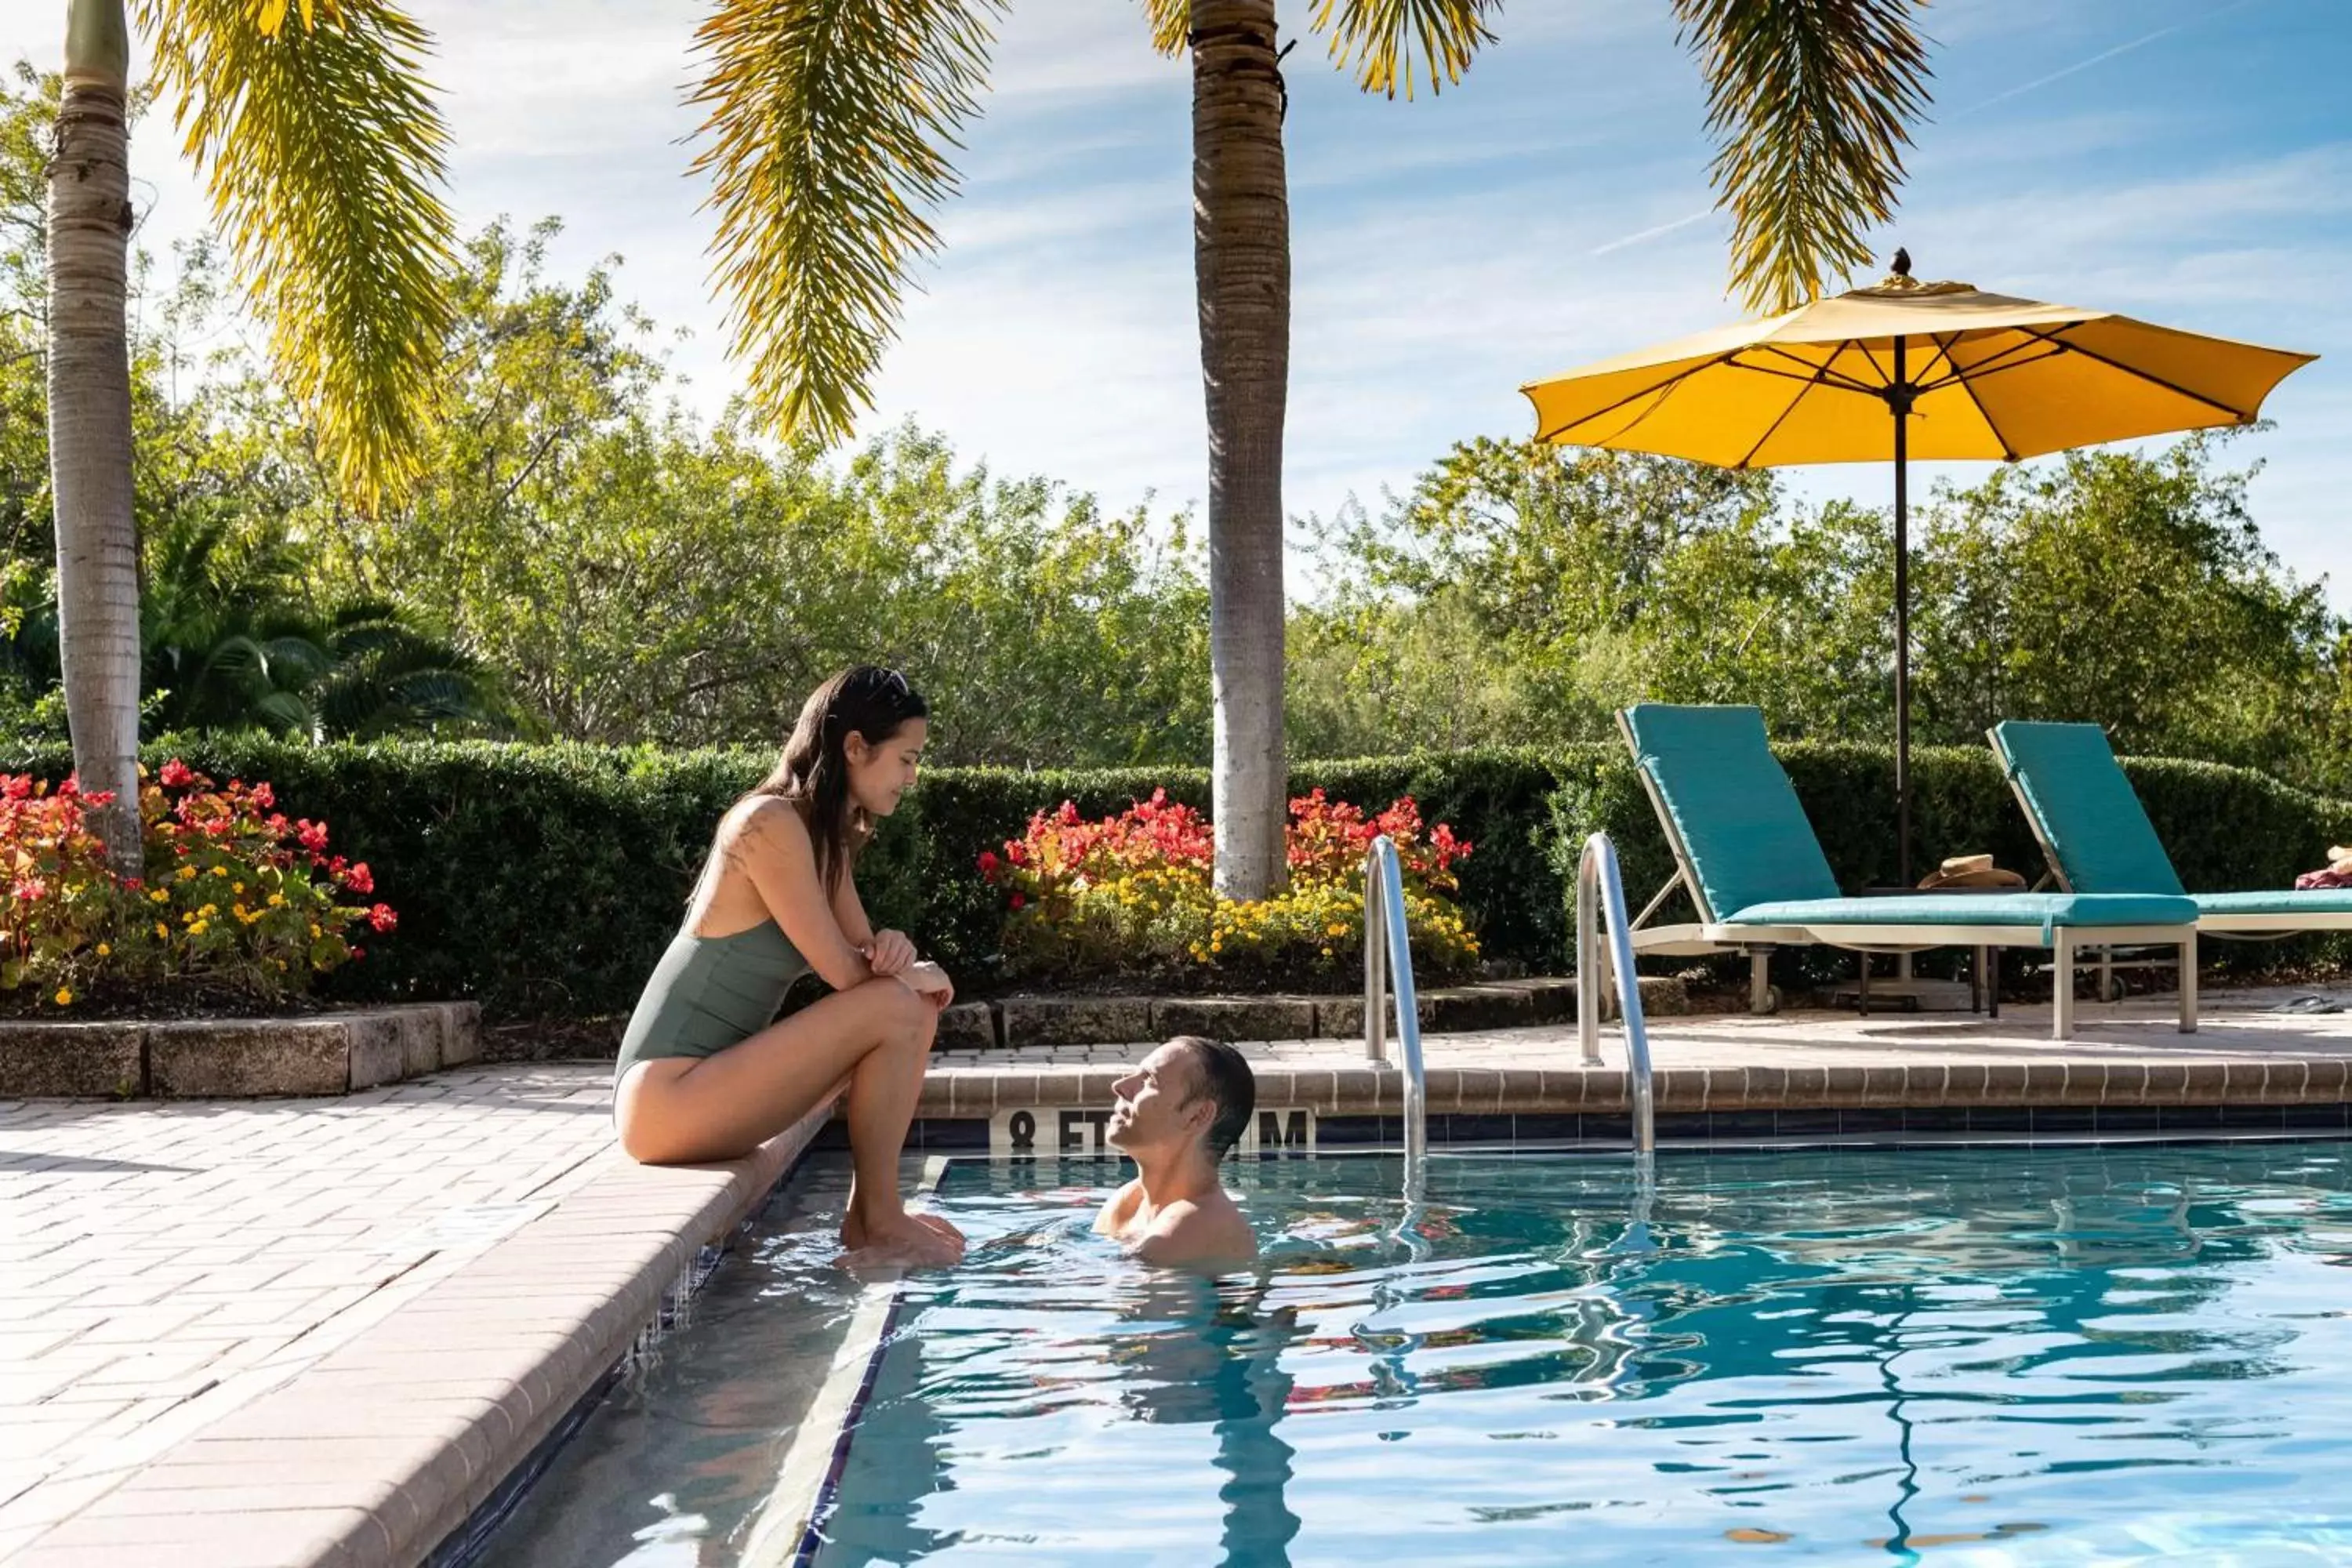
[1224,1076]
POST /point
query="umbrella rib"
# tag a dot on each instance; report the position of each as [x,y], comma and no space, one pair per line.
[1993,361]
[1815,375]
[2239,415]
[1782,418]
[1943,354]
[1944,348]
[1668,384]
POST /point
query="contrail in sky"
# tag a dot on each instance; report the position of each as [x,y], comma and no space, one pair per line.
[1639,235]
[2102,54]
[1643,235]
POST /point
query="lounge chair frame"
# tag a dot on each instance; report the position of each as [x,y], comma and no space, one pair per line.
[2070,947]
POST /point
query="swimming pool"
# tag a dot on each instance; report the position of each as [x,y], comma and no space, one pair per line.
[2026,1353]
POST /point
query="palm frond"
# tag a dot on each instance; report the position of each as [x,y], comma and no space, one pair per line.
[1385,41]
[322,150]
[1810,103]
[1172,23]
[829,126]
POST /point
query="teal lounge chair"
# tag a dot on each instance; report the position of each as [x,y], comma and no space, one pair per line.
[2098,839]
[1755,871]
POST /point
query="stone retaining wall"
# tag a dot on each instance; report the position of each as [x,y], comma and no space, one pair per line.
[206,1059]
[1017,1021]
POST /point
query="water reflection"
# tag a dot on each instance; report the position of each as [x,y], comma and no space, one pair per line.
[2029,1354]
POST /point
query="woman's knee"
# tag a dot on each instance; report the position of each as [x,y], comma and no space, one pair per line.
[902,1012]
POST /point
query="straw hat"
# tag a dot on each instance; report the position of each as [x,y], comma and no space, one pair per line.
[1970,871]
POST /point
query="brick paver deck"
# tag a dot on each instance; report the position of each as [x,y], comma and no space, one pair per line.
[311,1332]
[163,1263]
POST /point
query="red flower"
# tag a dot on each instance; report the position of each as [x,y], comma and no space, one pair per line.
[1017,852]
[360,879]
[32,890]
[264,797]
[988,864]
[383,919]
[1018,900]
[174,773]
[16,786]
[358,954]
[313,834]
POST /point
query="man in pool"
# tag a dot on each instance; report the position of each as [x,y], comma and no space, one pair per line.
[1176,1115]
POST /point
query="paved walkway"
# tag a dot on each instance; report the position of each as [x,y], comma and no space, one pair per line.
[163,1263]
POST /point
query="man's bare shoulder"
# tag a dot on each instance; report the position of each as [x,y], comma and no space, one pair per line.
[1118,1210]
[1189,1233]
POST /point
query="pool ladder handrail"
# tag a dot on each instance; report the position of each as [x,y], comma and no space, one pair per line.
[1388,947]
[1599,890]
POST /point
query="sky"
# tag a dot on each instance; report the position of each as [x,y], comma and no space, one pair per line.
[2188,162]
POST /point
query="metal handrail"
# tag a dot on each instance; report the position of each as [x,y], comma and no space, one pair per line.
[1599,890]
[1388,947]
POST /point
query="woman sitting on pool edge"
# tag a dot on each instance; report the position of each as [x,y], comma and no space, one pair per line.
[706,1073]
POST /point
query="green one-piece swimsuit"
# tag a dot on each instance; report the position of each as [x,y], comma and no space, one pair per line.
[708,992]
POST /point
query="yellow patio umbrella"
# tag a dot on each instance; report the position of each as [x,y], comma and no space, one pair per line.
[1908,369]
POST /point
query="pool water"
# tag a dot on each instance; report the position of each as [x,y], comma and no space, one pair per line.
[2021,1354]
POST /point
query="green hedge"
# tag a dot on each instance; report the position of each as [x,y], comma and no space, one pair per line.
[544,881]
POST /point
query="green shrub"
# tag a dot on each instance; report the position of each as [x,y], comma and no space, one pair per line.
[545,880]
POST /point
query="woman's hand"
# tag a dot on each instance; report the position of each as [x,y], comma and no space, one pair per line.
[927,979]
[889,952]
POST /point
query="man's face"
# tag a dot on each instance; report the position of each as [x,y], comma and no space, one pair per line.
[1158,1104]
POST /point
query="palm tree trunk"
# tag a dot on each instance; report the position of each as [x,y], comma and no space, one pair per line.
[1241,259]
[90,419]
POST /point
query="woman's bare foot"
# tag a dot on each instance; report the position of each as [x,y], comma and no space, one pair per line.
[919,1239]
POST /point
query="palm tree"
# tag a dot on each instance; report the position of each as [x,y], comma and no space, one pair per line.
[321,153]
[831,123]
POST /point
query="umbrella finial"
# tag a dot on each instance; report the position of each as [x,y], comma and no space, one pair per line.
[1901,262]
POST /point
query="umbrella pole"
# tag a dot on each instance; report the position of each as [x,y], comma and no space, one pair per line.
[1899,401]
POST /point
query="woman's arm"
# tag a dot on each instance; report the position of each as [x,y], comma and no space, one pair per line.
[770,845]
[850,914]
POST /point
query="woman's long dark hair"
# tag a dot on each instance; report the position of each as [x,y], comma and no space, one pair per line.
[814,772]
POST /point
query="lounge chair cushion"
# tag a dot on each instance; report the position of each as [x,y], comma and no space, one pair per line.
[2320,901]
[2045,911]
[1734,807]
[2089,814]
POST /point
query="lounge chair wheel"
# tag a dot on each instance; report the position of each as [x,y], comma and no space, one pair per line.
[2115,989]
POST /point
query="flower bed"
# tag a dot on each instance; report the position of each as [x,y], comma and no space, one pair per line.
[239,904]
[1131,895]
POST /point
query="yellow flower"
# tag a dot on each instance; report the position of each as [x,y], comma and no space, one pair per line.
[65,997]
[314,933]
[281,966]
[186,871]
[276,899]
[105,950]
[236,887]
[163,931]
[220,871]
[160,895]
[209,910]
[197,929]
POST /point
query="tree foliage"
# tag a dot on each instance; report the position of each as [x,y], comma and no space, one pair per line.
[1520,592]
